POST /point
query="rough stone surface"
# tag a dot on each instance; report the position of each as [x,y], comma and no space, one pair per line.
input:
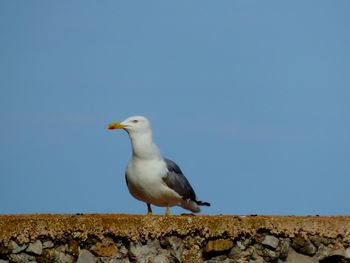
[161,258]
[107,248]
[54,255]
[21,258]
[28,228]
[259,260]
[271,241]
[176,246]
[64,258]
[159,239]
[35,248]
[235,253]
[147,252]
[16,248]
[240,245]
[48,244]
[86,257]
[347,253]
[303,245]
[294,257]
[218,245]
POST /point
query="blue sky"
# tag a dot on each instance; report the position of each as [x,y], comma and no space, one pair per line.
[250,98]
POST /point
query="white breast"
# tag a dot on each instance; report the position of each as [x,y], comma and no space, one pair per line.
[145,182]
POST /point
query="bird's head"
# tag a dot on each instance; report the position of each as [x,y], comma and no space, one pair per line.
[135,124]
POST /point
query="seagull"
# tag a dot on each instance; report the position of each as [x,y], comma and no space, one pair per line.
[150,177]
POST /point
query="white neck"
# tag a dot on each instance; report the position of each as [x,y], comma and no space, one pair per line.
[143,146]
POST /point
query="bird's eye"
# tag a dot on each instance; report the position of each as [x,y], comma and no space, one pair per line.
[135,121]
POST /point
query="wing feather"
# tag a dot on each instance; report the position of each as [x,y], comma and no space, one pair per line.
[175,180]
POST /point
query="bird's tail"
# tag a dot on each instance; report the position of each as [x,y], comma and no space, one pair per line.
[194,205]
[201,203]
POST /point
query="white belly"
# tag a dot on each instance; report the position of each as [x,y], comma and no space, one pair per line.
[145,183]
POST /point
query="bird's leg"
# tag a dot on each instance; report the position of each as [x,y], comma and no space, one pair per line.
[149,209]
[167,211]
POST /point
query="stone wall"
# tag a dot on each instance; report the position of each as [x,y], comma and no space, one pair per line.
[125,238]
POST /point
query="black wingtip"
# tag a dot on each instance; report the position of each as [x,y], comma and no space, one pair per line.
[203,203]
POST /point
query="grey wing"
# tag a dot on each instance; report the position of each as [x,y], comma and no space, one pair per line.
[178,182]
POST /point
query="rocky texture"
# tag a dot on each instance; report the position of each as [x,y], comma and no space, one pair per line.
[218,245]
[271,241]
[35,248]
[159,239]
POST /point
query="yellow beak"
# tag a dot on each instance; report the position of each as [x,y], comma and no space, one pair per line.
[116,125]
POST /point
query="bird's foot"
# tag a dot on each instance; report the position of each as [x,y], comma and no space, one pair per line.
[167,211]
[149,209]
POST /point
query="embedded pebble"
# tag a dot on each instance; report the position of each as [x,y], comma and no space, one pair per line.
[347,253]
[17,248]
[271,241]
[218,245]
[35,248]
[48,244]
[86,257]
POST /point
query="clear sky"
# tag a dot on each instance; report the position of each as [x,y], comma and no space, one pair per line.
[250,98]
